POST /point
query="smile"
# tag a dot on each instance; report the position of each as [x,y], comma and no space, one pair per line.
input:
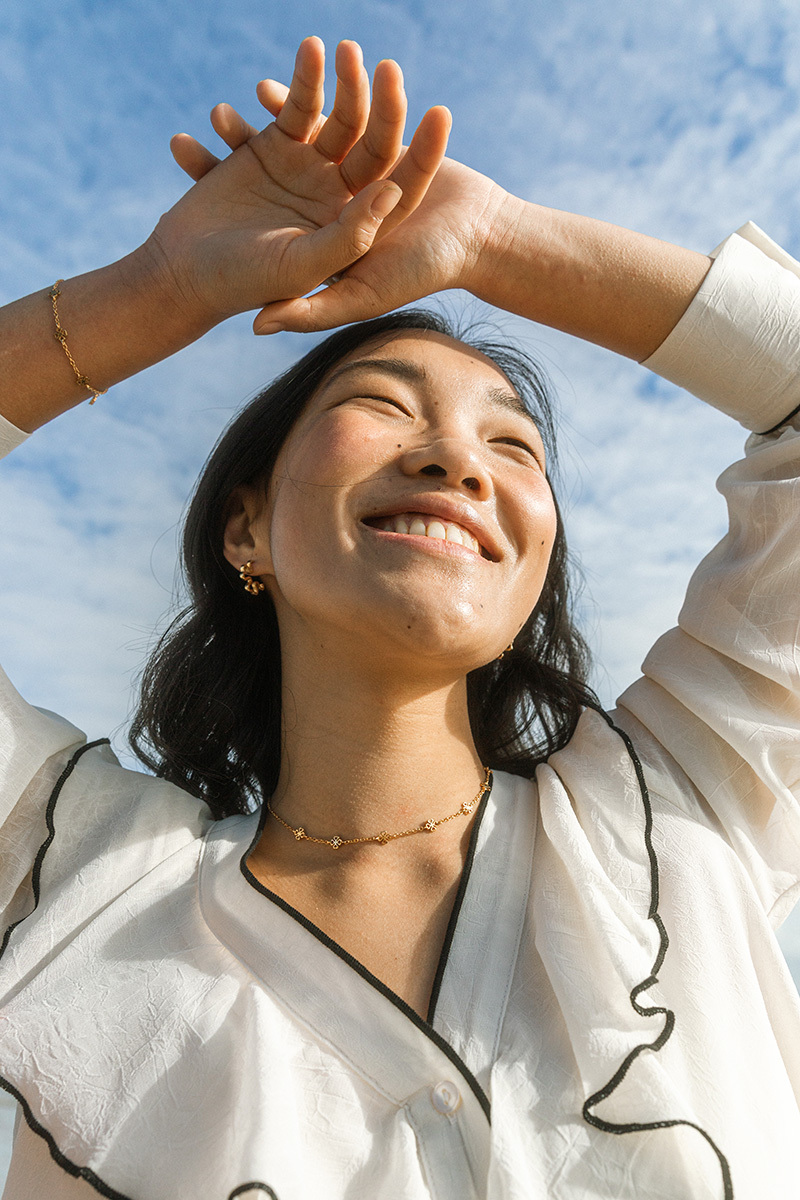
[423,525]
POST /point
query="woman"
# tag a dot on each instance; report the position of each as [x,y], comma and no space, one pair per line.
[407,974]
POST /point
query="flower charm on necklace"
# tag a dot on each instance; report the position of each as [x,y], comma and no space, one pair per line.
[299,833]
[336,842]
[429,825]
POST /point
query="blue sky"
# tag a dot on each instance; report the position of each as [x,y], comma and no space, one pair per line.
[679,119]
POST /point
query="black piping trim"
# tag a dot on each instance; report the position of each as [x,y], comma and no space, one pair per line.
[648,1010]
[775,428]
[373,980]
[61,1159]
[58,1157]
[252,1187]
[88,1175]
[457,903]
[51,832]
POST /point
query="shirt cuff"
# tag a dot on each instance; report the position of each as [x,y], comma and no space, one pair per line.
[737,346]
[10,437]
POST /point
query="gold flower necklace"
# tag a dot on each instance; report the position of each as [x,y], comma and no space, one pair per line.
[383,837]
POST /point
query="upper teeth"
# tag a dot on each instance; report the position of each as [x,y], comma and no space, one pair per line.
[431,527]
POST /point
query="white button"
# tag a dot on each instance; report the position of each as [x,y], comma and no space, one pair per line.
[445,1097]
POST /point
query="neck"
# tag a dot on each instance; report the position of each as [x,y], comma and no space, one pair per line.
[364,753]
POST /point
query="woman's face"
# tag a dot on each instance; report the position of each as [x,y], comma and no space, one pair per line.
[408,515]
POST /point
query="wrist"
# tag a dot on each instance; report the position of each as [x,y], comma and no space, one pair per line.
[150,272]
[490,245]
[120,319]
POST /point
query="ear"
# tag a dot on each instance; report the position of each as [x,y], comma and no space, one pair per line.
[246,536]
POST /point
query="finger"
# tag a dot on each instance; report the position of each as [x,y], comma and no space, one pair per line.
[230,126]
[348,300]
[299,116]
[419,163]
[333,248]
[348,120]
[191,156]
[272,95]
[377,151]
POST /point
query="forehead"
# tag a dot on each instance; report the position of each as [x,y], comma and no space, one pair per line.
[430,361]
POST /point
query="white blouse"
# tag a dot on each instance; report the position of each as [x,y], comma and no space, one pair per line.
[612,1016]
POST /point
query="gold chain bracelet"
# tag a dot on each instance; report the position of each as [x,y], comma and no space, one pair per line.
[61,336]
[383,837]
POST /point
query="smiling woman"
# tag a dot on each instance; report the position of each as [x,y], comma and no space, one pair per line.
[374,421]
[400,911]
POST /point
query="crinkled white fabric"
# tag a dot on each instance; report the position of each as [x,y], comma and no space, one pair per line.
[10,436]
[176,1033]
[735,345]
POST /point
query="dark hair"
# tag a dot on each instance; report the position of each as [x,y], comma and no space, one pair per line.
[209,718]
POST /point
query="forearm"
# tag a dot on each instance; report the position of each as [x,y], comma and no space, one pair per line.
[119,319]
[608,285]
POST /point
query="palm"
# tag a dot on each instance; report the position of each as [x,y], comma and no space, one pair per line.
[242,223]
[437,247]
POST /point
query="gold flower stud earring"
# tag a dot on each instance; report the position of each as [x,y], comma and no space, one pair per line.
[251,585]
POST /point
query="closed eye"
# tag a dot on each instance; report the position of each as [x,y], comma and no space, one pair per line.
[380,400]
[509,441]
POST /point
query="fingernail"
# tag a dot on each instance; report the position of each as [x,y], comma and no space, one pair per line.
[385,201]
[269,327]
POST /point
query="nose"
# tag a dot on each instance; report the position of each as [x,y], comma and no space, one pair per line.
[450,459]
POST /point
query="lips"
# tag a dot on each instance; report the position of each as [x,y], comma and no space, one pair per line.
[422,525]
[438,517]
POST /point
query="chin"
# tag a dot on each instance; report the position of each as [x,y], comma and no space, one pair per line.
[442,639]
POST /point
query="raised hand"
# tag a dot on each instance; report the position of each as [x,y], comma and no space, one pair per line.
[304,198]
[436,238]
[445,243]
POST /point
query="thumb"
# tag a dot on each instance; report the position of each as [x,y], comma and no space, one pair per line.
[341,303]
[330,250]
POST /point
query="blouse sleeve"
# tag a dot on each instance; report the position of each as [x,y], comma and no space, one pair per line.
[717,712]
[33,748]
[67,851]
[10,437]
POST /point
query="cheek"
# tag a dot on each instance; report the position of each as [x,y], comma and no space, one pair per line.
[340,448]
[298,537]
[308,527]
[541,524]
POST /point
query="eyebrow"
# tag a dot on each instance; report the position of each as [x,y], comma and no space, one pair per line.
[408,372]
[399,368]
